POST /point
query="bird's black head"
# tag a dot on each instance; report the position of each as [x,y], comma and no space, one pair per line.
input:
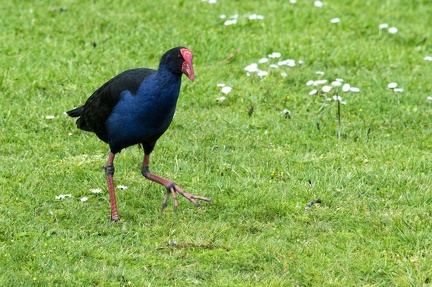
[179,60]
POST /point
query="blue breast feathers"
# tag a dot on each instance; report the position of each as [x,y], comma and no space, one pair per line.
[144,116]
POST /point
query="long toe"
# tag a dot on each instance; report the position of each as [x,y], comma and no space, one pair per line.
[202,198]
[173,188]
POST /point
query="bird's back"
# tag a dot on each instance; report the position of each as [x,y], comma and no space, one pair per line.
[99,106]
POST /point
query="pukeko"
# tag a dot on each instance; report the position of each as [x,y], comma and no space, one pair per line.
[136,107]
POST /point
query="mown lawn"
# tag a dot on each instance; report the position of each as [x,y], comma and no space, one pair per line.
[262,151]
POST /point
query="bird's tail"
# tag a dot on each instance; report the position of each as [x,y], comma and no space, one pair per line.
[75,112]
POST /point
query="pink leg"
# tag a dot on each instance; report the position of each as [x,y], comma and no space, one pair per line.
[109,172]
[171,187]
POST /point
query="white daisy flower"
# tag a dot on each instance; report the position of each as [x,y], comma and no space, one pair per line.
[319,82]
[49,117]
[428,58]
[262,73]
[123,187]
[85,198]
[287,62]
[354,89]
[263,60]
[346,87]
[256,17]
[339,99]
[96,190]
[230,22]
[336,83]
[383,26]
[318,4]
[326,89]
[393,30]
[313,92]
[335,20]
[226,90]
[275,55]
[392,85]
[252,68]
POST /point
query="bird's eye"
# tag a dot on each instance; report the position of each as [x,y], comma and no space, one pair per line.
[179,56]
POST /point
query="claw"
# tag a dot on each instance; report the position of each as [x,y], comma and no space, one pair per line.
[164,203]
[173,188]
[173,191]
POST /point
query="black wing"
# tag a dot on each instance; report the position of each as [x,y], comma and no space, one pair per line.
[94,113]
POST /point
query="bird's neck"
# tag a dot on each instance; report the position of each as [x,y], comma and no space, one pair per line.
[168,82]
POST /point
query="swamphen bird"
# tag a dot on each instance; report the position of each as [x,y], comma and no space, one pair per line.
[136,107]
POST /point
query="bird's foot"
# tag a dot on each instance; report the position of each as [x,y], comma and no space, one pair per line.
[171,191]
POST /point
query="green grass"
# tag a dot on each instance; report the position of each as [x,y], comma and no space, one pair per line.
[373,227]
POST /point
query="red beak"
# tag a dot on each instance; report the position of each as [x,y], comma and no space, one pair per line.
[187,67]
